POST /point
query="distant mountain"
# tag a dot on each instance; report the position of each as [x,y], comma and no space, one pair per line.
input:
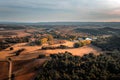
[79,23]
[99,31]
[15,23]
[100,24]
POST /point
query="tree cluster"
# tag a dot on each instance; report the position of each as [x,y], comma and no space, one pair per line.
[82,43]
[108,44]
[65,66]
[17,40]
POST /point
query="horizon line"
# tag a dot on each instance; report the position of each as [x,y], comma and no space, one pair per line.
[59,21]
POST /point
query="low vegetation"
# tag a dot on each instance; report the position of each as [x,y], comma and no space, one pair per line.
[54,47]
[4,45]
[41,56]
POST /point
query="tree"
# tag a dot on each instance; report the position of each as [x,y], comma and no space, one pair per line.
[72,37]
[11,48]
[37,42]
[77,45]
[50,39]
[43,41]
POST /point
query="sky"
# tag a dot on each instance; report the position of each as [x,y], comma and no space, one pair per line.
[60,10]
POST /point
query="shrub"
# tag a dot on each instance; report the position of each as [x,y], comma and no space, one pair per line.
[63,47]
[77,45]
[17,53]
[41,56]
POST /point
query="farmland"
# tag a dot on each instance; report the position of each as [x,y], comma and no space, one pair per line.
[26,48]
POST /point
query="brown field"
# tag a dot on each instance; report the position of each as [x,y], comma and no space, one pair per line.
[34,51]
[26,71]
[14,33]
[24,64]
[3,70]
[23,69]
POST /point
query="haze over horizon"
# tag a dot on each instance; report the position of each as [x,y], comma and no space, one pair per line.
[60,10]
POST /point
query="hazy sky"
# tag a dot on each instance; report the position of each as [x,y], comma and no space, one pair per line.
[59,10]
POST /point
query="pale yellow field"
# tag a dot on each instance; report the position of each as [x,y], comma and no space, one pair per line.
[76,51]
